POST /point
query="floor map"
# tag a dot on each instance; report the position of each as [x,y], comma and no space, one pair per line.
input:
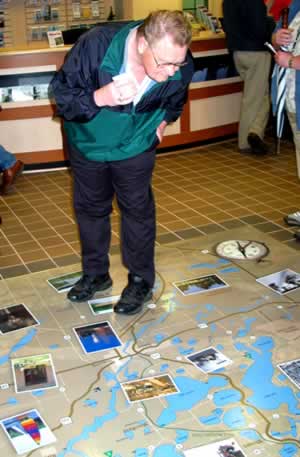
[212,374]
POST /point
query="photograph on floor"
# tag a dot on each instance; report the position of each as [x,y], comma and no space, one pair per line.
[282,282]
[103,305]
[35,372]
[16,317]
[209,360]
[226,448]
[65,282]
[291,370]
[27,431]
[97,337]
[148,388]
[200,285]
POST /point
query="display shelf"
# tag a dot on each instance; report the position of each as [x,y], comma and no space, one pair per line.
[42,16]
[6,35]
[84,12]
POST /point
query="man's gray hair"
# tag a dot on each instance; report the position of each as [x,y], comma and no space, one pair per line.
[161,23]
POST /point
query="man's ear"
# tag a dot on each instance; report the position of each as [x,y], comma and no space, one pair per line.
[142,45]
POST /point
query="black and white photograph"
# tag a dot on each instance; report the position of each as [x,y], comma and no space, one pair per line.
[209,360]
[282,282]
[292,371]
[226,448]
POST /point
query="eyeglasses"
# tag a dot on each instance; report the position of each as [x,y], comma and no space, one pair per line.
[166,64]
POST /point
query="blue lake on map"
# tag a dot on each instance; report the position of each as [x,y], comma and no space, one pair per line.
[192,391]
[259,378]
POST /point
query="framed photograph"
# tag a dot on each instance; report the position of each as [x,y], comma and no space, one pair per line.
[55,38]
[148,388]
[97,337]
[65,282]
[291,370]
[282,282]
[103,305]
[226,448]
[200,285]
[34,372]
[16,317]
[27,431]
[209,360]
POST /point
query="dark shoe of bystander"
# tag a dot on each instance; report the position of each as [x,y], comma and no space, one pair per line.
[293,218]
[87,286]
[258,146]
[10,174]
[136,293]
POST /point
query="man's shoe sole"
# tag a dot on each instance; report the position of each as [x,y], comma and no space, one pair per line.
[106,286]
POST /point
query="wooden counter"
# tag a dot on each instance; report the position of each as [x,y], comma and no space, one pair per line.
[29,130]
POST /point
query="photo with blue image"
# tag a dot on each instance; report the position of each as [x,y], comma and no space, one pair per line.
[97,337]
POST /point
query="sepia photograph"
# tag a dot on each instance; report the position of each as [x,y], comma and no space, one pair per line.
[148,388]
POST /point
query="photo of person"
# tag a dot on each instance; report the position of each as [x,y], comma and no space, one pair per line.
[97,337]
[281,282]
[200,285]
[16,317]
[209,360]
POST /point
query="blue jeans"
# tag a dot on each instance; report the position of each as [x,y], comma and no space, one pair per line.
[7,159]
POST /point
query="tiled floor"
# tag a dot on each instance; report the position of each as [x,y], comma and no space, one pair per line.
[209,189]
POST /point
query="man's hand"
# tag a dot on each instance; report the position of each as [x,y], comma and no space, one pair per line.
[160,130]
[119,92]
[282,58]
[283,37]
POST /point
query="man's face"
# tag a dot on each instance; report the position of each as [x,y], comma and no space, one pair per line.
[163,58]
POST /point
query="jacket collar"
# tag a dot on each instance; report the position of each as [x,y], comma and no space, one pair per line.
[114,57]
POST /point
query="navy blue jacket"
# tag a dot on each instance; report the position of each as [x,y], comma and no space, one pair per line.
[119,132]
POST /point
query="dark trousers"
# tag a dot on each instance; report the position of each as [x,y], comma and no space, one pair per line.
[95,184]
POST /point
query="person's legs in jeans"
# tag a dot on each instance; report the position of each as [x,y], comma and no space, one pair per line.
[7,160]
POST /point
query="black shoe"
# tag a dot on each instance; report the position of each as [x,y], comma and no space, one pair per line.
[136,293]
[297,236]
[258,146]
[86,287]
